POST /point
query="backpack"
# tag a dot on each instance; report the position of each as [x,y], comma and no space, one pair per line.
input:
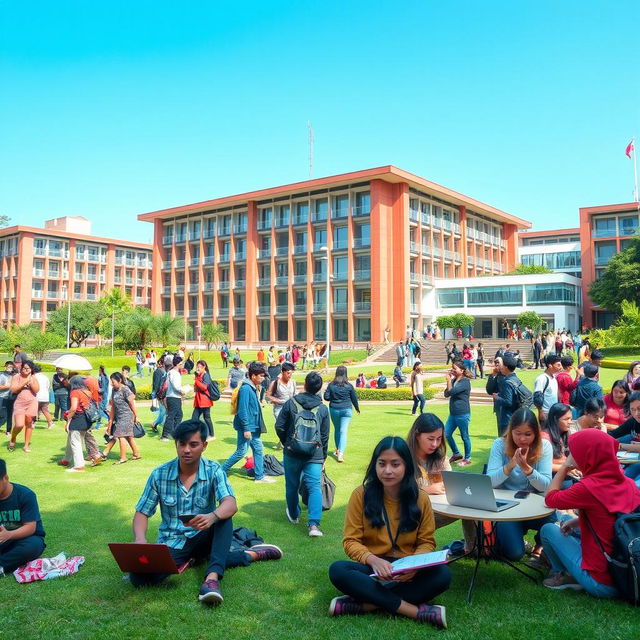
[233,408]
[91,411]
[161,393]
[305,438]
[213,390]
[624,561]
[524,397]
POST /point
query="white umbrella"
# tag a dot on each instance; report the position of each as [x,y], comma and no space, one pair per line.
[73,362]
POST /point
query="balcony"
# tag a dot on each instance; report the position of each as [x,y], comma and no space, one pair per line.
[339,307]
[224,257]
[92,296]
[470,234]
[446,225]
[207,312]
[264,253]
[223,311]
[456,228]
[166,291]
[319,277]
[340,276]
[264,310]
[602,260]
[361,306]
[437,252]
[77,295]
[448,255]
[36,315]
[240,256]
[319,217]
[470,261]
[300,308]
[361,243]
[298,220]
[300,278]
[300,249]
[264,282]
[38,273]
[36,293]
[194,262]
[224,285]
[141,300]
[413,308]
[239,311]
[414,216]
[92,277]
[282,309]
[240,228]
[239,284]
[207,286]
[282,281]
[282,251]
[194,287]
[437,223]
[167,240]
[39,251]
[194,236]
[209,260]
[179,288]
[207,234]
[224,231]
[126,280]
[282,222]
[414,278]
[426,279]
[414,247]
[426,250]
[53,274]
[362,210]
[341,244]
[457,257]
[263,225]
[166,264]
[340,214]
[426,220]
[362,276]
[193,313]
[179,264]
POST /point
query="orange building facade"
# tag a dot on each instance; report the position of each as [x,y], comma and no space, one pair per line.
[258,262]
[43,268]
[604,231]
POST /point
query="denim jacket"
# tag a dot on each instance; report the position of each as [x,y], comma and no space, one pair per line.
[249,414]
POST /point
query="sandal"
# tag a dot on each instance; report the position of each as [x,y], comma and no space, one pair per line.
[120,461]
[11,446]
[26,450]
[136,457]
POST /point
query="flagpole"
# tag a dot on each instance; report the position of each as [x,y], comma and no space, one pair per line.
[635,171]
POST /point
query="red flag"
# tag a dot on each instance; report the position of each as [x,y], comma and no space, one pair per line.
[630,149]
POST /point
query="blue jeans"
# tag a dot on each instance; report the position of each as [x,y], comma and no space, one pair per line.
[633,471]
[418,400]
[162,414]
[241,448]
[461,422]
[295,471]
[565,554]
[510,535]
[341,419]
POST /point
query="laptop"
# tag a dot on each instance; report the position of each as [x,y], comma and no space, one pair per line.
[473,490]
[134,557]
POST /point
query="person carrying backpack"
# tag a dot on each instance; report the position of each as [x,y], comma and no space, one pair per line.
[159,393]
[602,495]
[511,395]
[207,392]
[303,429]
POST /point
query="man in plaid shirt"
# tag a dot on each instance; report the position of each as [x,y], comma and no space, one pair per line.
[192,485]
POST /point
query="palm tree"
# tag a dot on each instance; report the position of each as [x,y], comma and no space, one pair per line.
[140,327]
[168,328]
[115,301]
[212,333]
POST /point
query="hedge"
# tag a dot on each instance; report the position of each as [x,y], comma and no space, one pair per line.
[616,364]
[613,352]
[392,394]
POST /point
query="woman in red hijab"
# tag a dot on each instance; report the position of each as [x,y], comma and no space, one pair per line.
[603,492]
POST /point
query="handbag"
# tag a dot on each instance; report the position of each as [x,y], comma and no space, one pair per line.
[91,411]
[328,489]
[154,404]
[52,397]
[138,430]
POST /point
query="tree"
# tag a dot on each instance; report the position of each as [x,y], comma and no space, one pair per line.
[456,321]
[4,221]
[138,328]
[212,333]
[626,330]
[39,343]
[115,302]
[85,318]
[530,319]
[620,280]
[167,328]
[526,269]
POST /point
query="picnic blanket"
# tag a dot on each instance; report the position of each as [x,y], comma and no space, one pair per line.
[48,568]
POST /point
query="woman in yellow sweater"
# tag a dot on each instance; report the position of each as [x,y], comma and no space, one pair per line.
[389,518]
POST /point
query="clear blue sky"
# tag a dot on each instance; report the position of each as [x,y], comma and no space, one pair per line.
[110,108]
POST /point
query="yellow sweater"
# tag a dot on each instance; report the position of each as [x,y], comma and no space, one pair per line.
[361,539]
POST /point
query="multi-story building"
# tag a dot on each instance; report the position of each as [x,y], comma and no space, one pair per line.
[258,262]
[604,231]
[43,268]
[558,250]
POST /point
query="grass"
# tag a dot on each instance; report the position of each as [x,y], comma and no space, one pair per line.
[274,600]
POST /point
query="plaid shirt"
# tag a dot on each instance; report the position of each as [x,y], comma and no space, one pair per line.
[164,487]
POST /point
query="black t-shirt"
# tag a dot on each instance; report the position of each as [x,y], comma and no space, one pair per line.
[20,507]
[630,427]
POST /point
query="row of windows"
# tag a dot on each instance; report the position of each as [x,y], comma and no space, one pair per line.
[529,242]
[561,260]
[510,295]
[612,226]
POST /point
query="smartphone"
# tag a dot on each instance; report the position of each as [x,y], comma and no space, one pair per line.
[521,495]
[187,518]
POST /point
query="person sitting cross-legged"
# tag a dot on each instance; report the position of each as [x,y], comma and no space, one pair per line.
[186,485]
[21,530]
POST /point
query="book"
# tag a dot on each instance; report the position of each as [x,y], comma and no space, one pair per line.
[418,561]
[628,455]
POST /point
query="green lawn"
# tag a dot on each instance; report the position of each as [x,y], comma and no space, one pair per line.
[289,598]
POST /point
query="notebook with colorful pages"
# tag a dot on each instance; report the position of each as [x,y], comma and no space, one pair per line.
[418,561]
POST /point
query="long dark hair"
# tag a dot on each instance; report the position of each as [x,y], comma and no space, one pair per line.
[524,416]
[374,491]
[341,375]
[559,440]
[426,423]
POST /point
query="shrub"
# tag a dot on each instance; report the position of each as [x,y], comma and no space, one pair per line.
[615,364]
[392,394]
[614,352]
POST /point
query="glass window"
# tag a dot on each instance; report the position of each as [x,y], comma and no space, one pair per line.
[363,202]
[604,227]
[341,206]
[340,329]
[605,251]
[264,329]
[302,212]
[340,267]
[320,209]
[340,237]
[319,238]
[362,233]
[482,296]
[319,329]
[300,330]
[628,225]
[552,293]
[450,298]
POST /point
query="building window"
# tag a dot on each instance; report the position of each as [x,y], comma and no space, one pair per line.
[340,237]
[494,296]
[340,329]
[450,298]
[604,252]
[282,330]
[239,330]
[301,213]
[320,210]
[363,329]
[264,330]
[363,203]
[552,293]
[628,225]
[300,333]
[319,329]
[604,227]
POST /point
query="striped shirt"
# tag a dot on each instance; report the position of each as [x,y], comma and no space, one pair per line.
[164,488]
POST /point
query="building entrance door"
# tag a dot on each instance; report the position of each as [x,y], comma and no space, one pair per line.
[487,329]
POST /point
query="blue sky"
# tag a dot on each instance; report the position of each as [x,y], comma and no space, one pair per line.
[110,109]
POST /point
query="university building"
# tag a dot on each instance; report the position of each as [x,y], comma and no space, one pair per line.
[261,263]
[43,268]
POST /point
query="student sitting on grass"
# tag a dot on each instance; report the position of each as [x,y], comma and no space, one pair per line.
[21,530]
[603,492]
[398,376]
[520,461]
[388,518]
[191,485]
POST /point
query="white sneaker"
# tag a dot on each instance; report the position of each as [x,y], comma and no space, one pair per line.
[75,470]
[291,520]
[314,532]
[266,480]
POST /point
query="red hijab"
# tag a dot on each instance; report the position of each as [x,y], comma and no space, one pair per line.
[595,454]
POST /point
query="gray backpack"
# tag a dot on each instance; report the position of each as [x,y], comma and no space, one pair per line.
[305,439]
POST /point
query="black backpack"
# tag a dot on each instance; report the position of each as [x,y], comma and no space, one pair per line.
[624,561]
[305,438]
[213,390]
[524,397]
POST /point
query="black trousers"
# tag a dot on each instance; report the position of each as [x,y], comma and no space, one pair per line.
[480,364]
[6,413]
[211,545]
[15,553]
[205,412]
[174,416]
[62,405]
[353,579]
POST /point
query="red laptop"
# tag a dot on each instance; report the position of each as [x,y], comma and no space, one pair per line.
[133,557]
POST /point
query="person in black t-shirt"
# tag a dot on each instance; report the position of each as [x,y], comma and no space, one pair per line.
[21,530]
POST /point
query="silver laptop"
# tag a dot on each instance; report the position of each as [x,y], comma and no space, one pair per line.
[473,490]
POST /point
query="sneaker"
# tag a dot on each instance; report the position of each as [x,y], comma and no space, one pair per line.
[455,457]
[433,614]
[75,470]
[340,456]
[210,592]
[314,532]
[164,439]
[464,462]
[266,552]
[266,480]
[210,438]
[345,606]
[562,581]
[291,520]
[63,463]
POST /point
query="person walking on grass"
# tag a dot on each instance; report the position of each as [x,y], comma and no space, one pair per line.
[249,423]
[6,397]
[24,387]
[157,381]
[459,393]
[43,395]
[280,390]
[174,397]
[341,397]
[304,455]
[122,416]
[545,387]
[416,383]
[202,401]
